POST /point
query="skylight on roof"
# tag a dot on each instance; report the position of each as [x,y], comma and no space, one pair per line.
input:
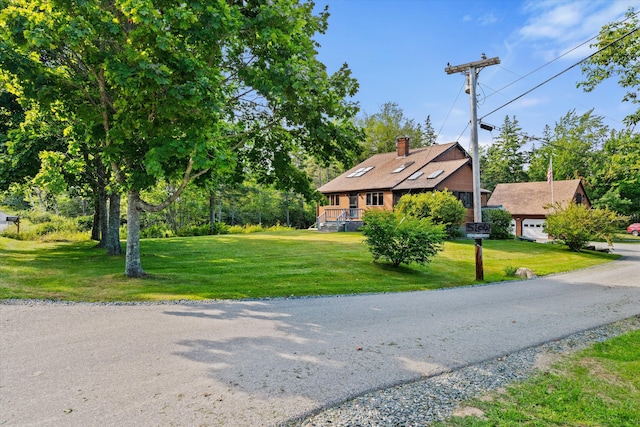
[415,175]
[402,167]
[359,172]
[435,174]
[352,174]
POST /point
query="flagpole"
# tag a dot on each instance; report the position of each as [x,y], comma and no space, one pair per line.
[550,177]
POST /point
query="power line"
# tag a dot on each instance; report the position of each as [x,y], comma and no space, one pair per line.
[563,71]
[451,109]
[553,60]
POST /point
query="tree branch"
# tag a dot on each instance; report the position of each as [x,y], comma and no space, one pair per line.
[185,180]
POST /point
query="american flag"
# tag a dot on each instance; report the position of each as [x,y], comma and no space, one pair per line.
[550,172]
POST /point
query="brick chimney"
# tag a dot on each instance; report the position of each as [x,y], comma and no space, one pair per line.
[402,144]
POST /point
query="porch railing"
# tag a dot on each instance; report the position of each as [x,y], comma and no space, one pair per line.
[339,216]
[351,214]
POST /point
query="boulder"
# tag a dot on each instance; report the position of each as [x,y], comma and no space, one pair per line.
[526,272]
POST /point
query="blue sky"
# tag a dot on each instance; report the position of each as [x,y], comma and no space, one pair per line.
[398,50]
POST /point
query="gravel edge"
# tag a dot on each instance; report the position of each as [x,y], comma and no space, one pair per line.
[435,398]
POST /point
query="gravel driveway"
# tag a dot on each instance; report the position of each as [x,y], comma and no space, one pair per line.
[3,221]
[250,363]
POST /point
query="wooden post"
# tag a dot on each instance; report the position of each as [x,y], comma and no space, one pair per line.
[472,69]
[479,266]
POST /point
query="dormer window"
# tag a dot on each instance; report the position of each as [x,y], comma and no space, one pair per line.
[435,174]
[402,167]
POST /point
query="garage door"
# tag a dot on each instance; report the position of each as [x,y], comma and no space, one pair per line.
[532,228]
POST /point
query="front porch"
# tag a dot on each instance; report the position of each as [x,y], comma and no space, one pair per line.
[339,219]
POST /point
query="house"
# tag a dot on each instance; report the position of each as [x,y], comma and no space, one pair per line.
[528,203]
[380,181]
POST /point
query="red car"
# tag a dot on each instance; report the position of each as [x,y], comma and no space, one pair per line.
[634,228]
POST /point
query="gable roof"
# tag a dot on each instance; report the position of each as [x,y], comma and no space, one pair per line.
[385,172]
[530,198]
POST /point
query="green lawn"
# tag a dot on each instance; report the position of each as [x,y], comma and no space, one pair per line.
[259,265]
[599,386]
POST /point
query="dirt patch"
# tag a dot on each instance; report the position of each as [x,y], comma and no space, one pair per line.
[469,411]
[544,361]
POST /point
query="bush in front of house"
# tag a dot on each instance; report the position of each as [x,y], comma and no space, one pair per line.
[442,207]
[500,220]
[401,239]
[575,225]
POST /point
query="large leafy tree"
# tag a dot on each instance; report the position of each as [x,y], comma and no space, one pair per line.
[384,127]
[618,53]
[505,160]
[575,145]
[617,184]
[171,90]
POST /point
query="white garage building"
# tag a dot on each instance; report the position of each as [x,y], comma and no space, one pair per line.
[529,202]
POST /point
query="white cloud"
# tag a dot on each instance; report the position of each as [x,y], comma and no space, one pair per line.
[487,19]
[554,28]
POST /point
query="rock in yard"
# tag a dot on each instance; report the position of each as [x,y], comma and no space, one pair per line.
[526,272]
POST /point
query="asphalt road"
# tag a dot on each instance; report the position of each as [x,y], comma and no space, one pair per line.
[253,363]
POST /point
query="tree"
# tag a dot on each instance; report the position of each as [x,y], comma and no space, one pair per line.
[384,127]
[618,52]
[617,181]
[171,91]
[441,207]
[400,239]
[500,220]
[574,145]
[429,135]
[575,225]
[504,160]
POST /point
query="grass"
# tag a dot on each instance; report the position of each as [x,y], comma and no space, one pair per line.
[599,386]
[259,265]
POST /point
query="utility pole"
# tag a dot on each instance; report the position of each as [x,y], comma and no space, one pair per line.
[471,70]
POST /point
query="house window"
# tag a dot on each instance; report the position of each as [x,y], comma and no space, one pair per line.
[334,199]
[465,197]
[375,199]
[415,175]
[579,199]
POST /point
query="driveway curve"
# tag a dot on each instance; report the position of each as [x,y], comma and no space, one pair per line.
[240,363]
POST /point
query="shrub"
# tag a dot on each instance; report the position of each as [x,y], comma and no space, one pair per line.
[55,229]
[245,229]
[500,220]
[85,223]
[399,239]
[442,207]
[414,205]
[575,225]
[279,227]
[510,271]
[37,217]
[155,231]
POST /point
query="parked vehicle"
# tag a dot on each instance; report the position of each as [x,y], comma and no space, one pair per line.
[634,228]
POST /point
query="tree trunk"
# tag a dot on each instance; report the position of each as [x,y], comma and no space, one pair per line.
[95,228]
[113,233]
[133,267]
[212,212]
[103,214]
